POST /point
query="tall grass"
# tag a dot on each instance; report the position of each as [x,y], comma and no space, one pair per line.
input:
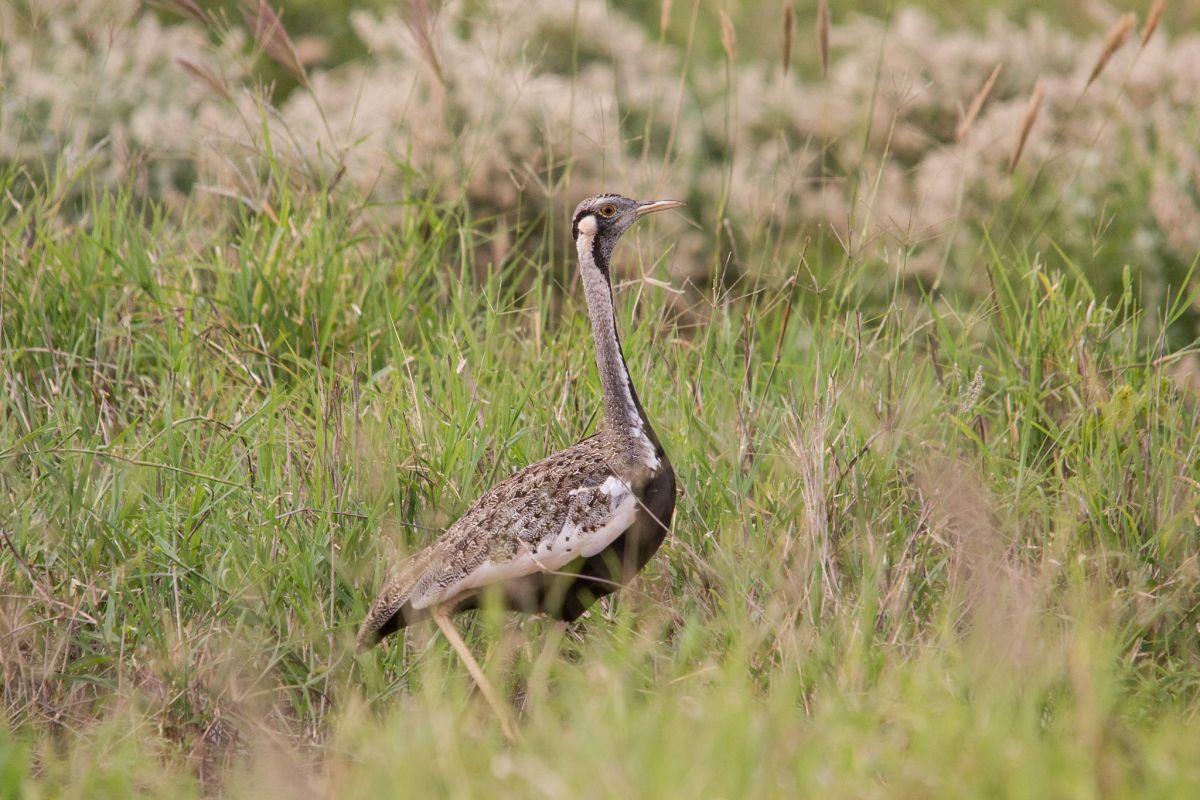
[920,547]
[927,542]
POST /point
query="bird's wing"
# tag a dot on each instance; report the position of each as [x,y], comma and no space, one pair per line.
[567,505]
[587,521]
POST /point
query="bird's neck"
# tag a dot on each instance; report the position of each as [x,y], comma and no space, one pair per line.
[622,410]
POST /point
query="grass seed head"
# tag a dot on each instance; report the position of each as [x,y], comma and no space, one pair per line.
[728,36]
[789,24]
[205,75]
[184,8]
[1152,20]
[823,35]
[420,19]
[976,104]
[1031,115]
[267,27]
[1117,36]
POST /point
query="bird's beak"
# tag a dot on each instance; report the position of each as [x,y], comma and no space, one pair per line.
[650,206]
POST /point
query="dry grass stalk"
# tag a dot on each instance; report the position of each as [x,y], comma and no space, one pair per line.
[420,21]
[664,18]
[823,35]
[728,37]
[789,24]
[1031,115]
[267,28]
[206,76]
[976,105]
[1117,35]
[184,8]
[809,440]
[1155,17]
[996,594]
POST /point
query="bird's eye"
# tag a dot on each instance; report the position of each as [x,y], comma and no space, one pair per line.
[608,210]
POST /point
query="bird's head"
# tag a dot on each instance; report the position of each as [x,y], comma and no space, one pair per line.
[599,222]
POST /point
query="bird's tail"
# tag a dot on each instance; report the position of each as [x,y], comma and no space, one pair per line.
[391,610]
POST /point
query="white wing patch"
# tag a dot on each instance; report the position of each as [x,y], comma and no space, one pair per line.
[622,508]
[588,507]
[649,457]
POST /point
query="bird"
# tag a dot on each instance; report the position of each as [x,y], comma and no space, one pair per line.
[559,534]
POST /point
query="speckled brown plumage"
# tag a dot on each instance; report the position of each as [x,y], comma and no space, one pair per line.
[572,527]
[525,514]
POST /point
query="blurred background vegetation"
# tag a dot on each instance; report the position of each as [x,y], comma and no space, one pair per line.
[517,109]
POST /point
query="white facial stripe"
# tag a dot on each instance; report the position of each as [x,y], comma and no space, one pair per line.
[588,226]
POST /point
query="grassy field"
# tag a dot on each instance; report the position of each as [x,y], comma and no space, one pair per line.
[937,534]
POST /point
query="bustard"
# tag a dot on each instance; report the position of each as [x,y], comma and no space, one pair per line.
[570,528]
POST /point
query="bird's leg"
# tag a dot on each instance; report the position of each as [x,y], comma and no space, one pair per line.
[539,680]
[442,618]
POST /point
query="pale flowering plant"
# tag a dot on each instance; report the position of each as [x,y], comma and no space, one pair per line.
[508,109]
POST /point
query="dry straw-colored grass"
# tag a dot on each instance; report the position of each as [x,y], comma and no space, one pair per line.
[1032,110]
[1152,20]
[207,76]
[977,102]
[1117,35]
[184,8]
[419,17]
[789,25]
[728,37]
[266,26]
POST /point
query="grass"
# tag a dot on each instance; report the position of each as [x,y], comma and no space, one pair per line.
[928,542]
[921,546]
